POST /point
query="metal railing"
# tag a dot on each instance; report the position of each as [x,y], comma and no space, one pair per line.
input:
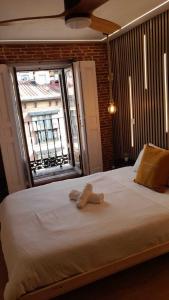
[47,143]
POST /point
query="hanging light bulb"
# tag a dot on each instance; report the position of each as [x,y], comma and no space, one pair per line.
[112,107]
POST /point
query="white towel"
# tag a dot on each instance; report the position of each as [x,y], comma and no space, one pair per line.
[96,198]
[93,197]
[82,200]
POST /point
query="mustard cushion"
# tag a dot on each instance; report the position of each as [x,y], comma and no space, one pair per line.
[153,171]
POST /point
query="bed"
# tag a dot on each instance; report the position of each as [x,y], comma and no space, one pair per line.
[51,247]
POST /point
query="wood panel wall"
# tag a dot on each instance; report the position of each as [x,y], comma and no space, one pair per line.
[148,105]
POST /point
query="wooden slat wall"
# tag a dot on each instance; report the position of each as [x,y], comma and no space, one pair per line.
[148,105]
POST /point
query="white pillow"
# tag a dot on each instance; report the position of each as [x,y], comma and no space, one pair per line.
[139,158]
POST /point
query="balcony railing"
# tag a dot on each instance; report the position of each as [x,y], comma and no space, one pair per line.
[47,143]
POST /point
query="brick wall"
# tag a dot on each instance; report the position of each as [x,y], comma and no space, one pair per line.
[63,52]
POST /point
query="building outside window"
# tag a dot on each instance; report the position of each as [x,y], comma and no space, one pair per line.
[43,114]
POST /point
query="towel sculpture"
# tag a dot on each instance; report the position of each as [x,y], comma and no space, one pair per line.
[87,196]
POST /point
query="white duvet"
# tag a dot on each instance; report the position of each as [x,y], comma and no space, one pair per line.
[45,238]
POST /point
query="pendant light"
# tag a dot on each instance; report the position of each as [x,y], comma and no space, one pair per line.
[112,107]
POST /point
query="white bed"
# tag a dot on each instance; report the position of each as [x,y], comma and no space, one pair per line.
[47,241]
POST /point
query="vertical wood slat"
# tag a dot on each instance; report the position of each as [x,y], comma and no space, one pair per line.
[148,105]
[166,33]
[140,90]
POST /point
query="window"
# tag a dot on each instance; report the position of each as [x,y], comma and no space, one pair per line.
[45,128]
[25,77]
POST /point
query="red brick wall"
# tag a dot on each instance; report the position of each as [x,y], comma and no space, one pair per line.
[63,52]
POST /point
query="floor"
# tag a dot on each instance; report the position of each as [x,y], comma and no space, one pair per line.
[148,281]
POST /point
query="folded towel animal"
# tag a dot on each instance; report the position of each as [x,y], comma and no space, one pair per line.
[83,198]
[93,197]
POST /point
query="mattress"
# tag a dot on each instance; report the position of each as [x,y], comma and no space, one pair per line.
[46,239]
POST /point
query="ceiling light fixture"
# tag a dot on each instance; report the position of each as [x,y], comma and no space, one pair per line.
[78,22]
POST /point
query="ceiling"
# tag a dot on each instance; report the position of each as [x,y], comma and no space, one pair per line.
[119,11]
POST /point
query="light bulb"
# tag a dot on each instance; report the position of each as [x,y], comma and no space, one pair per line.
[112,108]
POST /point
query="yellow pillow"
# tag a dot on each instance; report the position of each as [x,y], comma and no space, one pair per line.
[153,171]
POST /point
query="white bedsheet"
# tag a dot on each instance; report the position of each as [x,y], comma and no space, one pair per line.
[45,238]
